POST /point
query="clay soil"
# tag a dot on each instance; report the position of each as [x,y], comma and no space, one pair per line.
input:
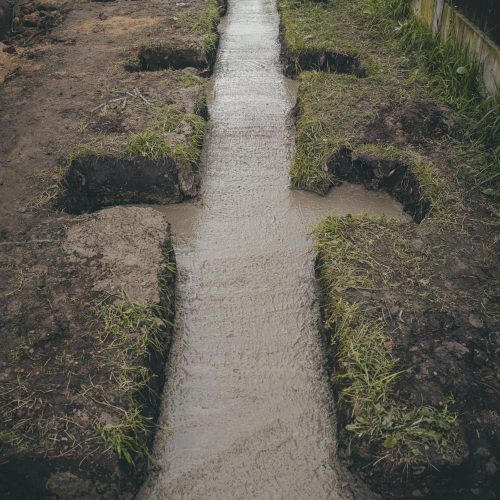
[74,288]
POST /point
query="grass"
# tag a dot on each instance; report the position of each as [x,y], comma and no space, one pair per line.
[132,333]
[156,142]
[193,25]
[450,74]
[129,436]
[400,434]
[169,132]
[404,61]
[205,24]
[444,197]
[202,23]
[307,28]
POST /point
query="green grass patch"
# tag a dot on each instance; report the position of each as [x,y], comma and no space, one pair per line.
[334,110]
[157,140]
[131,334]
[307,26]
[401,434]
[170,132]
[449,73]
[203,23]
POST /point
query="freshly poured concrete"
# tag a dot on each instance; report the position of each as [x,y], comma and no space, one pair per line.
[247,399]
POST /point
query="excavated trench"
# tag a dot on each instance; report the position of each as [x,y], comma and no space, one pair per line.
[95,182]
[326,60]
[247,399]
[392,176]
[160,56]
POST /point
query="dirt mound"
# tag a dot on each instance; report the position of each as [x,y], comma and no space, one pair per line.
[412,123]
[35,18]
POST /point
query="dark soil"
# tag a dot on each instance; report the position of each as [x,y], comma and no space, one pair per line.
[56,381]
[438,298]
[33,19]
[5,18]
[414,122]
[442,320]
[164,56]
[94,182]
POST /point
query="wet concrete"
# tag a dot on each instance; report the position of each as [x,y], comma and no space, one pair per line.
[247,399]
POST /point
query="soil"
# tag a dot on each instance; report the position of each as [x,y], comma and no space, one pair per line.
[68,110]
[58,381]
[248,402]
[414,122]
[375,173]
[319,60]
[442,321]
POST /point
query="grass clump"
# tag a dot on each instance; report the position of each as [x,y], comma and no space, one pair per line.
[133,338]
[170,133]
[128,437]
[132,333]
[335,109]
[399,433]
[203,23]
[306,26]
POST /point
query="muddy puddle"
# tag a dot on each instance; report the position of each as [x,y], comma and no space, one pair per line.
[247,399]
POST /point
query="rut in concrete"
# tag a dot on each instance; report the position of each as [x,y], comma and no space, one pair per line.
[247,399]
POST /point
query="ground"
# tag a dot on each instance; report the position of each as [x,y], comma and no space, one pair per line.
[92,93]
[410,310]
[97,110]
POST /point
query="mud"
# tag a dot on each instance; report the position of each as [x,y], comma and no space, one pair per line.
[247,402]
[374,173]
[96,182]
